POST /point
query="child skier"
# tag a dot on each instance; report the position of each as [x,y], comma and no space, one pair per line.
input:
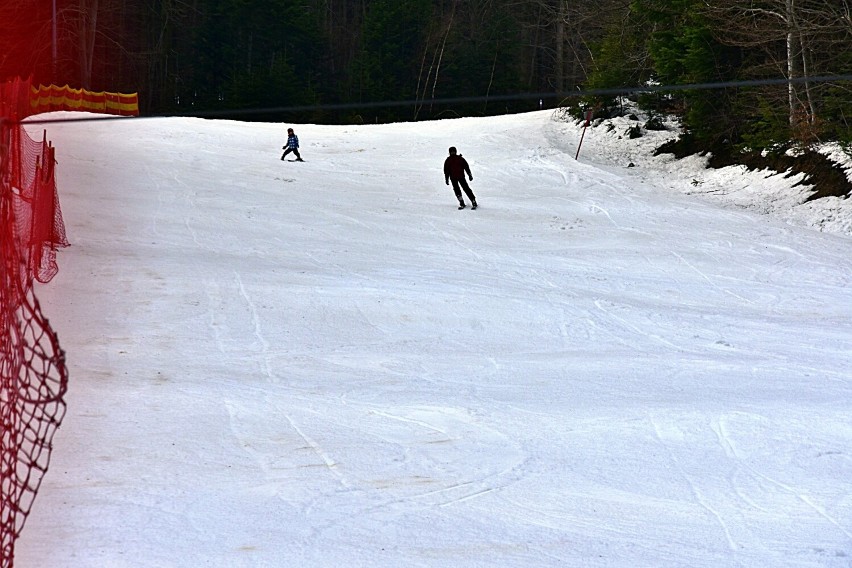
[292,145]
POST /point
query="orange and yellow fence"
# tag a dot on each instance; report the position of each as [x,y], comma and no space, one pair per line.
[52,98]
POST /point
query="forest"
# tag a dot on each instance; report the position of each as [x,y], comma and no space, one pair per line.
[354,61]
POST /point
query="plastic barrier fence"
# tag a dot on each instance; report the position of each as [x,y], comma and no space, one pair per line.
[51,98]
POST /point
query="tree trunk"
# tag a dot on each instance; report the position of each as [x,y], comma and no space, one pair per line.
[559,75]
[88,29]
[792,60]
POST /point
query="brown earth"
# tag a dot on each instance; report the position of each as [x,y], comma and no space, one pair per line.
[826,177]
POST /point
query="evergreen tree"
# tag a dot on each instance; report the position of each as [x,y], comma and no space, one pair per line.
[256,55]
[683,50]
[620,61]
[479,58]
[392,42]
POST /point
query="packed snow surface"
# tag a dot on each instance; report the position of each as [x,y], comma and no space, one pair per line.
[325,364]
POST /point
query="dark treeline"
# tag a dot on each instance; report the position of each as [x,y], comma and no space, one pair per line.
[192,56]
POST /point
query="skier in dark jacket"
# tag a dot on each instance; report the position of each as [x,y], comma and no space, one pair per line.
[455,167]
[292,145]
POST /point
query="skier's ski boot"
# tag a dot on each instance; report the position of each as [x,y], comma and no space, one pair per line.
[461,205]
[473,205]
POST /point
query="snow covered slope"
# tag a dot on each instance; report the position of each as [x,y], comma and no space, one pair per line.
[326,364]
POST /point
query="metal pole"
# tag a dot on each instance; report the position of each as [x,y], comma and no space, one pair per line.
[583,135]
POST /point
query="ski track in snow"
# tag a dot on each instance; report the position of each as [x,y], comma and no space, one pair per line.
[317,449]
[257,330]
[709,280]
[726,443]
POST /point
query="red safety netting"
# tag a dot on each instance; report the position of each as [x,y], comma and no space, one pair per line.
[33,375]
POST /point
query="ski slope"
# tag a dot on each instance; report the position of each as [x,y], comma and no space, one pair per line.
[325,364]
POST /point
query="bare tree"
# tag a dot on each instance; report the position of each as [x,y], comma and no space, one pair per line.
[25,42]
[434,47]
[561,34]
[799,38]
[87,28]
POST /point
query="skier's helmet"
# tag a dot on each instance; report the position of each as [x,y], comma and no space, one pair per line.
[453,150]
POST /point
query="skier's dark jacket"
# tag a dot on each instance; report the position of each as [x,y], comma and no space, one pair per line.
[455,167]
